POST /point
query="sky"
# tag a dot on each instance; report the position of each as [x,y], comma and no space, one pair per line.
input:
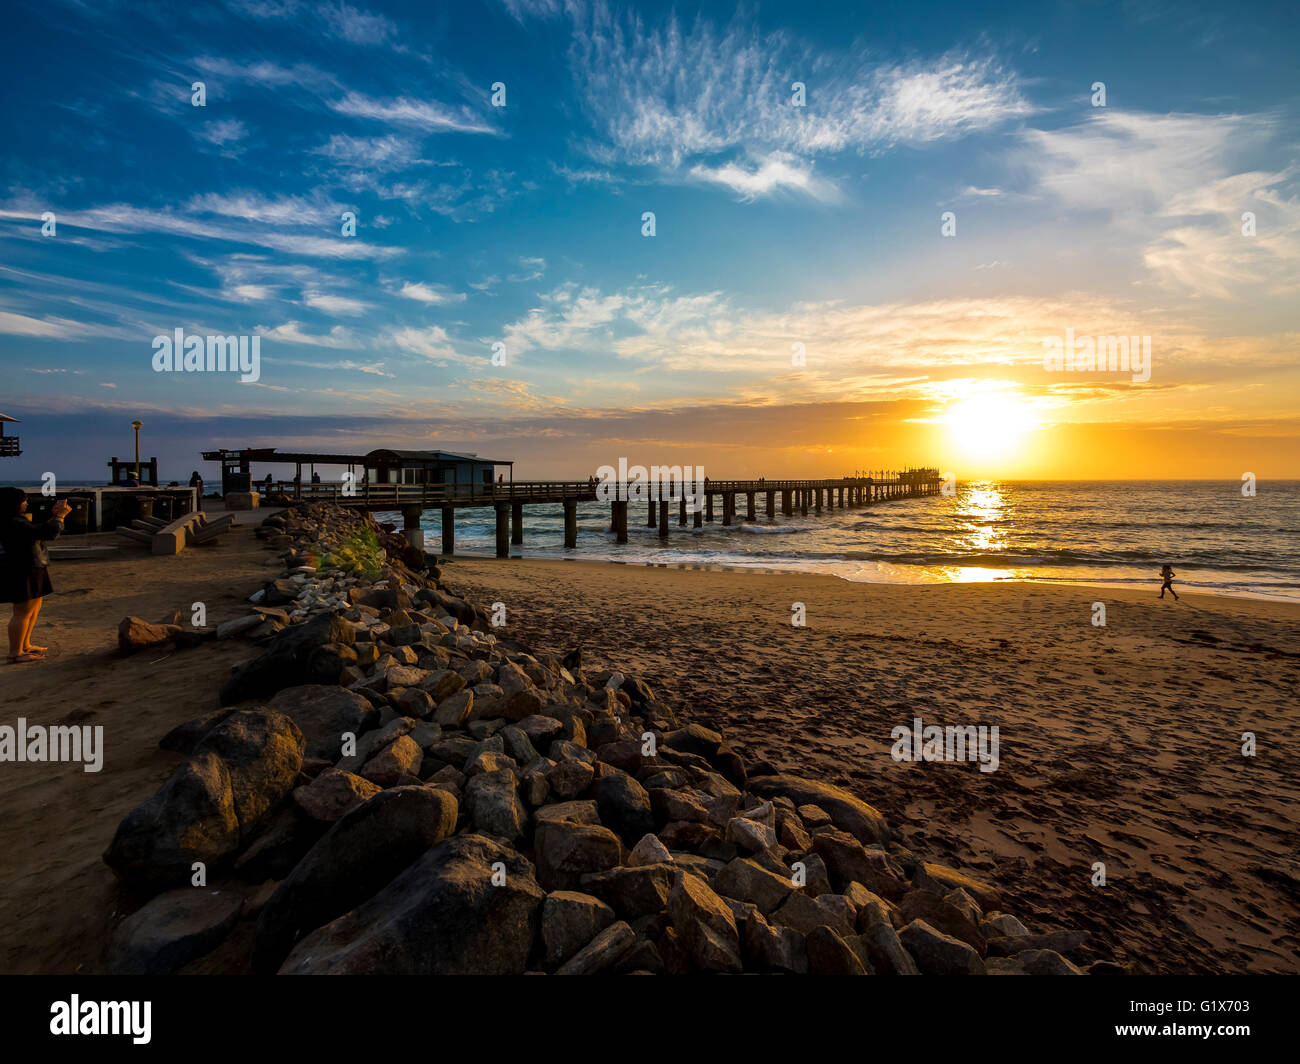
[871,226]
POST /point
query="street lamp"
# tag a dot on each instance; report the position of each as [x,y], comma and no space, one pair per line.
[137,425]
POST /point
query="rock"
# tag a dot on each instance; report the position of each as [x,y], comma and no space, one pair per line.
[263,751]
[191,818]
[442,684]
[1046,962]
[354,859]
[602,952]
[694,739]
[333,794]
[288,660]
[571,920]
[185,737]
[964,904]
[277,847]
[942,880]
[239,625]
[540,730]
[565,851]
[828,954]
[848,861]
[521,705]
[323,713]
[173,929]
[705,925]
[402,757]
[133,634]
[572,812]
[442,916]
[939,914]
[746,880]
[568,779]
[996,924]
[775,949]
[750,835]
[1057,941]
[649,850]
[633,892]
[518,745]
[845,811]
[938,954]
[454,710]
[886,951]
[624,806]
[493,805]
[804,913]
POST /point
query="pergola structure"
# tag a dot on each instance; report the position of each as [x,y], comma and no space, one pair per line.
[9,445]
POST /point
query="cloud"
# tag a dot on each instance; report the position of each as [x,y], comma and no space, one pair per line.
[779,172]
[427,115]
[430,342]
[427,293]
[357,26]
[534,269]
[222,132]
[335,304]
[384,153]
[291,333]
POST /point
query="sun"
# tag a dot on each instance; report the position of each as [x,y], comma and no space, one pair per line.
[989,426]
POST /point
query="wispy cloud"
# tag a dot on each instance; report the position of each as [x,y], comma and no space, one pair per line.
[428,115]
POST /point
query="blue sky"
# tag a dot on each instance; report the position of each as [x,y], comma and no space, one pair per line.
[775,225]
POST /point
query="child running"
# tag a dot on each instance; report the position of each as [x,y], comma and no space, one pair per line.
[1167,572]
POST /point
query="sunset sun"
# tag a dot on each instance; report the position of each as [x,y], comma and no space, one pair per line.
[990,426]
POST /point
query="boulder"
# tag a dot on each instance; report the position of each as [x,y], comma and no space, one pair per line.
[134,634]
[442,916]
[705,925]
[191,818]
[938,954]
[746,880]
[323,713]
[288,660]
[565,851]
[570,920]
[333,794]
[173,929]
[602,952]
[846,812]
[633,892]
[829,954]
[263,751]
[493,805]
[354,859]
[624,806]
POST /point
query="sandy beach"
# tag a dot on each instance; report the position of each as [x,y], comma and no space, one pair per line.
[1118,744]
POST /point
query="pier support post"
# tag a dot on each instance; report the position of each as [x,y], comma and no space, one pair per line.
[749,507]
[410,526]
[516,523]
[618,513]
[570,524]
[803,502]
[503,529]
[787,503]
[663,518]
[817,500]
[728,506]
[650,514]
[699,518]
[448,530]
[771,504]
[681,515]
[708,508]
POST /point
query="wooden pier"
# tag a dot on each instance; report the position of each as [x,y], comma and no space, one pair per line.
[716,499]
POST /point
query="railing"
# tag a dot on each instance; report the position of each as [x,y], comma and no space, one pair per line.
[9,447]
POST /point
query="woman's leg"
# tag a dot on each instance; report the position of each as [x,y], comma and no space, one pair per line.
[18,628]
[35,605]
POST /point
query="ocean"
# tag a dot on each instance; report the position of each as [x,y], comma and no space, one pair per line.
[1105,532]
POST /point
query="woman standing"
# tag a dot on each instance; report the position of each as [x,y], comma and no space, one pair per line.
[24,562]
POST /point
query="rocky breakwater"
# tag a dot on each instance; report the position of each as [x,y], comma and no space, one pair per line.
[391,787]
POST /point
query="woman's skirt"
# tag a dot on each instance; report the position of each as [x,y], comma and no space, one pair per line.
[22,585]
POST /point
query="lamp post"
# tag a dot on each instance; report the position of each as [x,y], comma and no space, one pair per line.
[137,425]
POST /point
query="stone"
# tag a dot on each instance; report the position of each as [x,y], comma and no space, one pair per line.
[602,952]
[540,730]
[750,835]
[185,737]
[746,880]
[804,913]
[705,925]
[134,634]
[334,794]
[1056,941]
[191,818]
[829,954]
[442,916]
[402,757]
[518,745]
[848,861]
[357,856]
[323,713]
[649,850]
[1046,962]
[998,924]
[921,904]
[441,685]
[493,805]
[568,779]
[942,880]
[288,660]
[238,626]
[172,929]
[572,812]
[570,920]
[565,851]
[888,957]
[938,954]
[774,949]
[624,806]
[633,892]
[846,812]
